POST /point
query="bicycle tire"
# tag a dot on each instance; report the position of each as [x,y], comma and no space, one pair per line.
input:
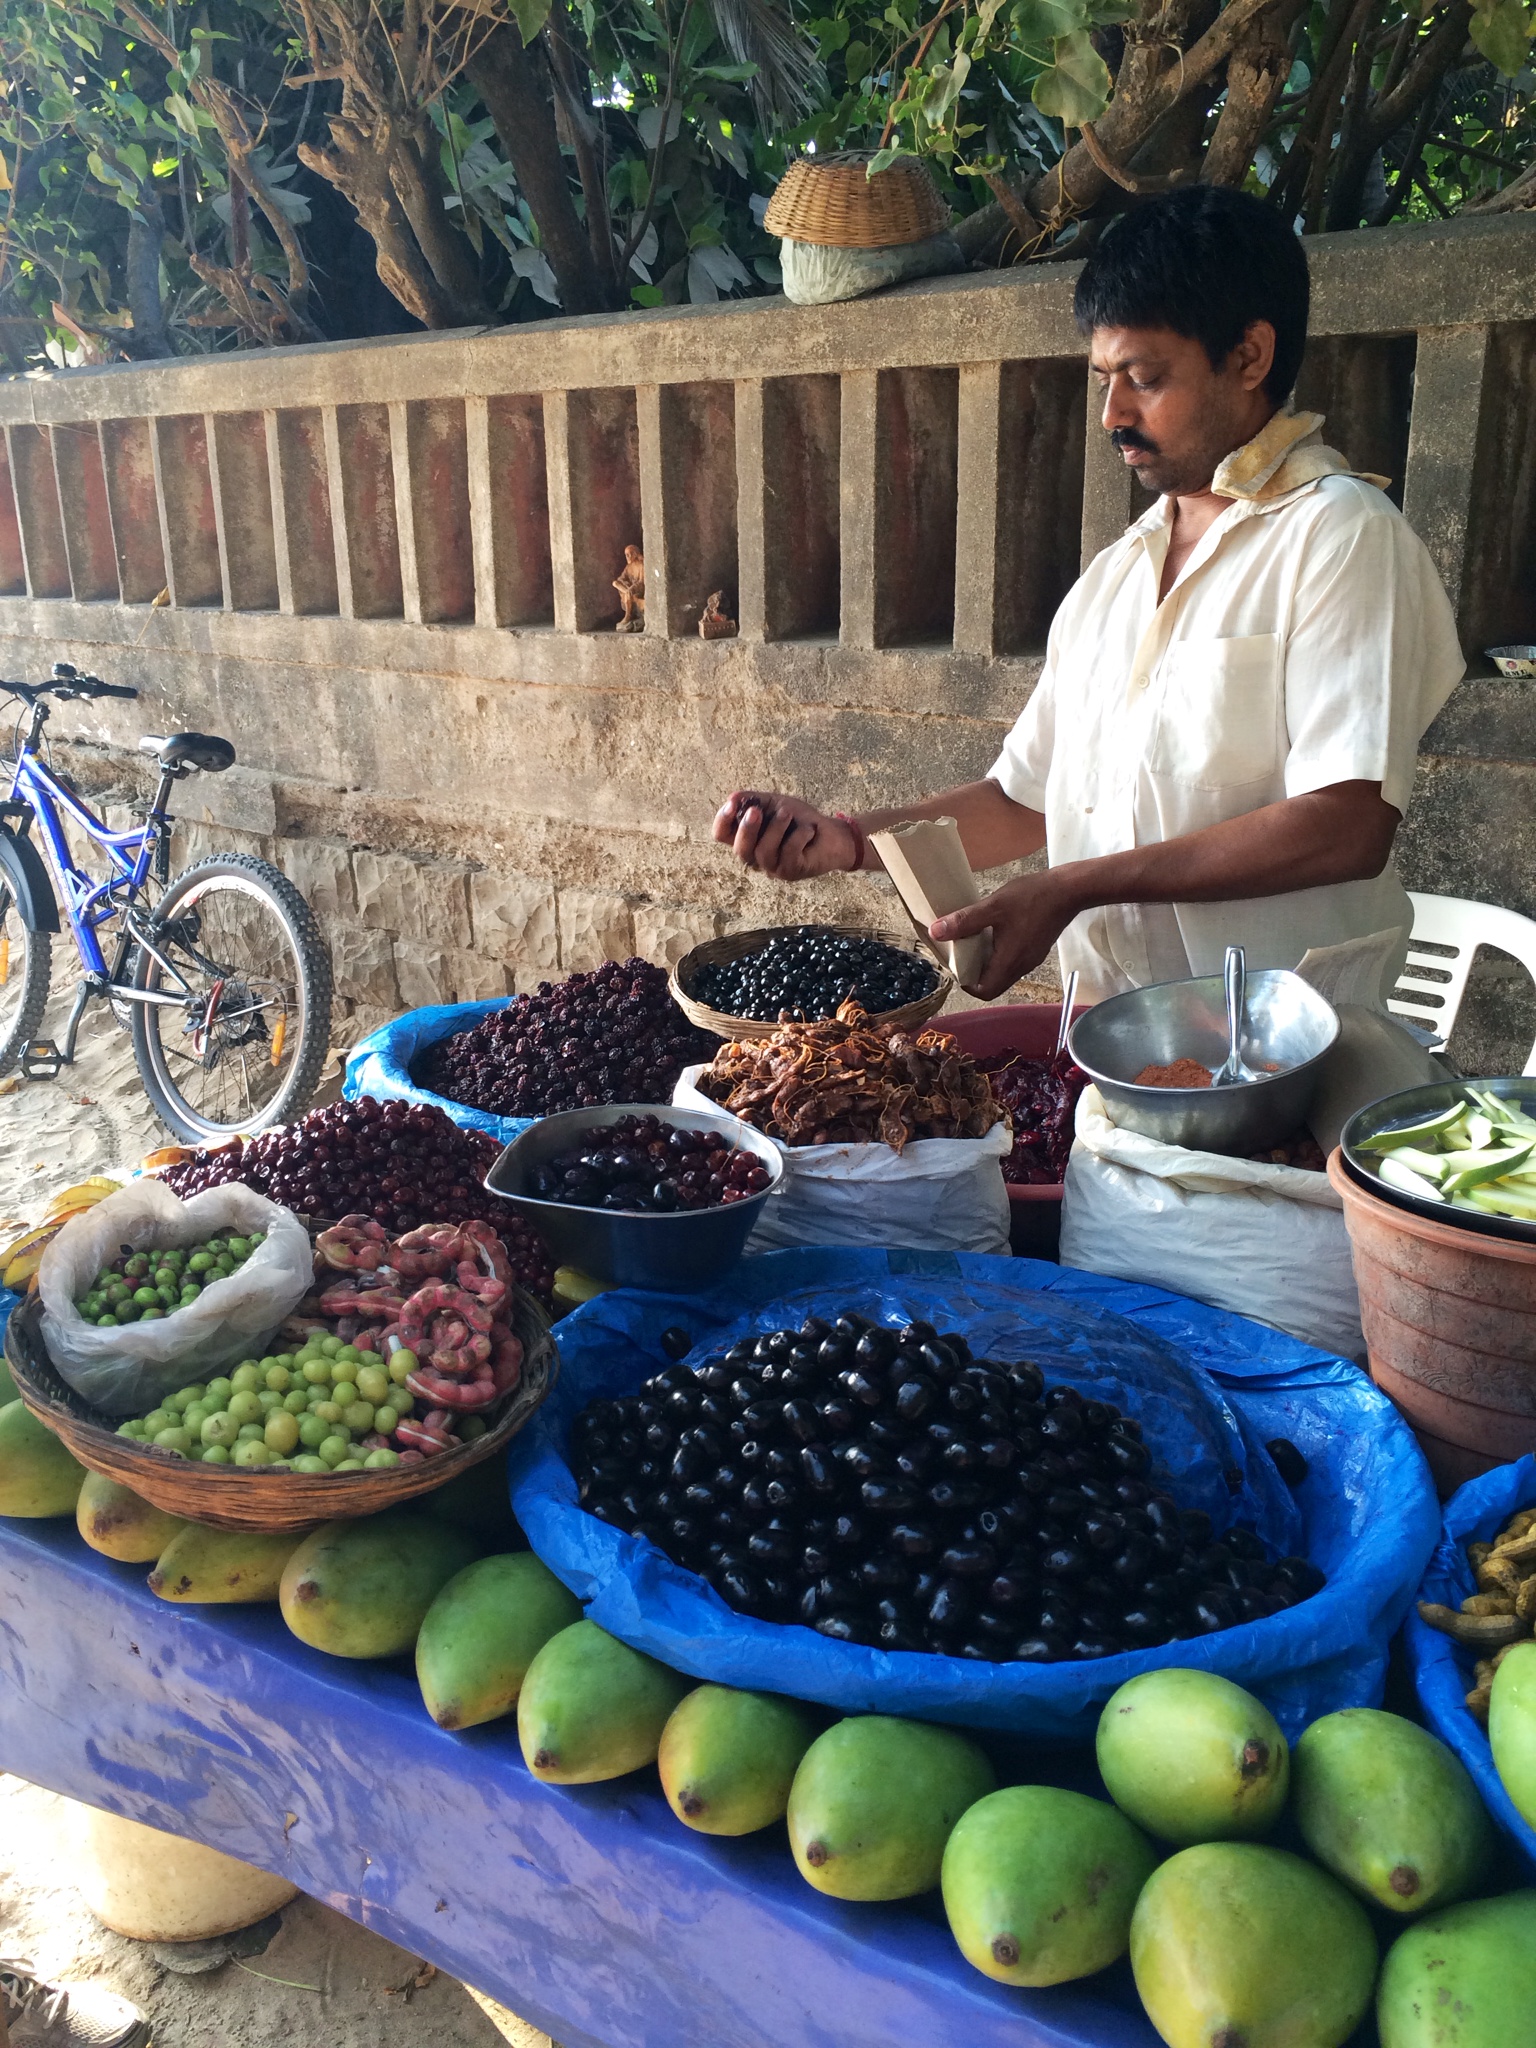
[38,976]
[314,963]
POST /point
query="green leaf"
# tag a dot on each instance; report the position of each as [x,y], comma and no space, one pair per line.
[856,59]
[1502,29]
[1077,85]
[647,294]
[883,159]
[181,112]
[1039,23]
[530,16]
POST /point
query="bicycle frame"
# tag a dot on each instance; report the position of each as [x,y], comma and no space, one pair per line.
[88,904]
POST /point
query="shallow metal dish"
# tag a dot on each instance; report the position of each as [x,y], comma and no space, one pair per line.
[1288,1026]
[676,1253]
[1407,1108]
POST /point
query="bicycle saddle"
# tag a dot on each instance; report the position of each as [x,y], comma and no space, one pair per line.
[189,750]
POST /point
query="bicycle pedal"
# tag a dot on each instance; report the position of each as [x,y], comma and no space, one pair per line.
[41,1059]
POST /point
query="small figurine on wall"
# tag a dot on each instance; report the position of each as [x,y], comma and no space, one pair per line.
[630,584]
[714,624]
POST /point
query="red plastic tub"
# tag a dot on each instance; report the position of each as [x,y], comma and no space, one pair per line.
[1029,1028]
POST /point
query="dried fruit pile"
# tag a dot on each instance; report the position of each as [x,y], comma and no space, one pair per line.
[845,1080]
[885,1487]
[1040,1095]
[1501,1613]
[403,1163]
[614,1035]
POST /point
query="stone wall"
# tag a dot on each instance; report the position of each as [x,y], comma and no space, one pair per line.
[383,571]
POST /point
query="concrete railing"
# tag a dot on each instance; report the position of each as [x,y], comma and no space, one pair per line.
[335,551]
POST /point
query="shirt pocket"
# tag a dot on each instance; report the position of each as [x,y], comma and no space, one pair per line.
[1218,722]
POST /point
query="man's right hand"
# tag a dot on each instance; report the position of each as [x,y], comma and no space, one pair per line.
[784,836]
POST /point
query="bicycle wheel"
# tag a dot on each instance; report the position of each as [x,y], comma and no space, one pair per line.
[26,962]
[245,1047]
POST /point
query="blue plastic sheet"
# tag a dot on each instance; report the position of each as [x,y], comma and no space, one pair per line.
[1209,1389]
[1442,1670]
[380,1064]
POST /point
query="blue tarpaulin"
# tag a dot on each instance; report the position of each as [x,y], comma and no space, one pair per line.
[381,1064]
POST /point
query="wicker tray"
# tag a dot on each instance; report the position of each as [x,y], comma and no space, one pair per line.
[233,1497]
[714,951]
[832,200]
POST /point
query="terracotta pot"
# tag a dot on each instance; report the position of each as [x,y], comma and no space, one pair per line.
[1450,1326]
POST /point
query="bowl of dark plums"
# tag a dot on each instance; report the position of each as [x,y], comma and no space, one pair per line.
[641,1196]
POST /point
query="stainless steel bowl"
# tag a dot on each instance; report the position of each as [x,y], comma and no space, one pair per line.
[1409,1107]
[1289,1026]
[676,1253]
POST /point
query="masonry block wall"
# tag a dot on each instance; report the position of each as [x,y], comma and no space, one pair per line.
[384,570]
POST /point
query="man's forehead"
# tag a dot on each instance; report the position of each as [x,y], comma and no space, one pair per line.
[1121,348]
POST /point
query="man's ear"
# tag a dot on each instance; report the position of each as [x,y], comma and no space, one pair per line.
[1254,356]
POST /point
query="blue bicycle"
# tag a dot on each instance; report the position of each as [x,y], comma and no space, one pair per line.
[221,975]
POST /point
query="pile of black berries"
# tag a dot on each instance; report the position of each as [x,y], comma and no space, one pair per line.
[808,971]
[614,1035]
[642,1164]
[885,1487]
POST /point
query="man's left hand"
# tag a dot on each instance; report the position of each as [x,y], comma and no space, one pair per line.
[1027,917]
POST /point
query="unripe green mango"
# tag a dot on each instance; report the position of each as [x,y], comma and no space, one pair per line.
[115,1520]
[1385,1805]
[1512,1728]
[37,1475]
[1192,1757]
[222,1567]
[1238,1944]
[1039,1884]
[874,1802]
[362,1589]
[1464,1978]
[728,1758]
[592,1708]
[483,1631]
[8,1392]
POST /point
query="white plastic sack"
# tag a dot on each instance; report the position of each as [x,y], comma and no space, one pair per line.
[939,1194]
[127,1370]
[817,276]
[1264,1241]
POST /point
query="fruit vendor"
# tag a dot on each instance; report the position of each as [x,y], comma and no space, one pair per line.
[1223,739]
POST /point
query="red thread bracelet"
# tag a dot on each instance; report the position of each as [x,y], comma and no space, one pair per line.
[860,842]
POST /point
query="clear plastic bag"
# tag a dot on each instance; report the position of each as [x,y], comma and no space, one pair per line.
[125,1371]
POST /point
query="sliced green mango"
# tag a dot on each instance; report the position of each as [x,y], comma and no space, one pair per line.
[1408,1134]
[1488,1166]
[1432,1165]
[1407,1181]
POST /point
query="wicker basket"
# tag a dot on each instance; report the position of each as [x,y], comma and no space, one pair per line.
[714,951]
[832,201]
[246,1497]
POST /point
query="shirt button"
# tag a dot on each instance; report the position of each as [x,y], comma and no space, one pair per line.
[1140,682]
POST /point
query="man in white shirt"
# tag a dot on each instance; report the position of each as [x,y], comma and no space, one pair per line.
[1222,741]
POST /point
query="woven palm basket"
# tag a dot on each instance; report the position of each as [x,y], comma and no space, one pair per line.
[714,951]
[831,200]
[247,1497]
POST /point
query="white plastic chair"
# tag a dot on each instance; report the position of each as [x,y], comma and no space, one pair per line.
[1460,927]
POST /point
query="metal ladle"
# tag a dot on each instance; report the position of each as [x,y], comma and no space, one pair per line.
[1234,1068]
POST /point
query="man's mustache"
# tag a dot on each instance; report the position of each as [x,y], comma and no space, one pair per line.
[1127,437]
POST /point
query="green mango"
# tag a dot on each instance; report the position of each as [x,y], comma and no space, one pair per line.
[8,1389]
[1238,1944]
[483,1631]
[1384,1805]
[1039,1884]
[1512,1728]
[874,1802]
[1464,1978]
[1192,1757]
[222,1567]
[37,1475]
[728,1759]
[114,1520]
[592,1708]
[362,1589]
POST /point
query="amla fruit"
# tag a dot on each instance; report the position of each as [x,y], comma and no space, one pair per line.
[1512,1728]
[1386,1806]
[592,1708]
[874,1802]
[362,1589]
[1464,1978]
[37,1475]
[1237,1945]
[483,1631]
[222,1567]
[1039,1884]
[1192,1757]
[114,1520]
[728,1759]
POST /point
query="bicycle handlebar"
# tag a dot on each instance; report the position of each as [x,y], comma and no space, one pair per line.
[67,687]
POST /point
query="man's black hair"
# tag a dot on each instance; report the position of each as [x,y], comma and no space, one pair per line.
[1206,262]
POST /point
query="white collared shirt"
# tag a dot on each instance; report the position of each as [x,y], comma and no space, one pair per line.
[1307,641]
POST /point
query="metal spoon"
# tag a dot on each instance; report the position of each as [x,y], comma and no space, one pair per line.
[1234,1068]
[1068,1004]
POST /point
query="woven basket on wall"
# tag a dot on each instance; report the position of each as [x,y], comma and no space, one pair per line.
[246,1497]
[715,951]
[831,200]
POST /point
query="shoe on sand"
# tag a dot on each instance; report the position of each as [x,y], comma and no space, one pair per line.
[66,2015]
